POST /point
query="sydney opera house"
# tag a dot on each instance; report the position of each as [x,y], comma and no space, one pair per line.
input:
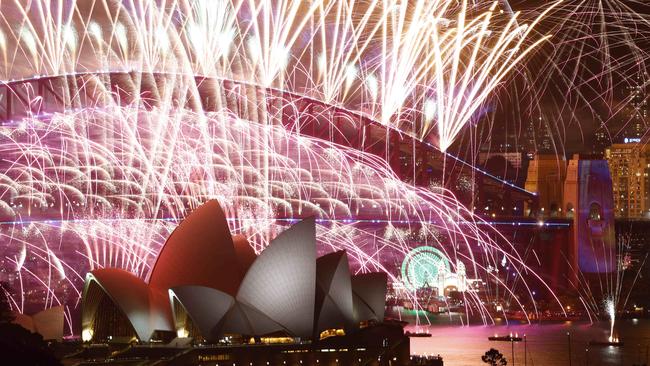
[211,287]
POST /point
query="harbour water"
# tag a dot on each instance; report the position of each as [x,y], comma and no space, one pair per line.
[546,344]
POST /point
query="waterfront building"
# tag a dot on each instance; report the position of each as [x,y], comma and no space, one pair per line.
[629,165]
[210,290]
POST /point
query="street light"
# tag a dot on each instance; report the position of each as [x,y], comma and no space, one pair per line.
[525,351]
[568,334]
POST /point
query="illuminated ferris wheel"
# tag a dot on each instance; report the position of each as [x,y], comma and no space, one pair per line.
[423,267]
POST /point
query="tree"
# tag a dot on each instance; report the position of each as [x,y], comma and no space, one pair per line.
[494,358]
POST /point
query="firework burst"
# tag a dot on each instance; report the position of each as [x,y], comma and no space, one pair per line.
[156,107]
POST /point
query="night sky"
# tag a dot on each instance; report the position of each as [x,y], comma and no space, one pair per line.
[577,82]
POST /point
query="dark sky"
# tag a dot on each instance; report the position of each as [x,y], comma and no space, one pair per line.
[578,81]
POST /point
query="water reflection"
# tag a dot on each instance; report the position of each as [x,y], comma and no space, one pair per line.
[546,344]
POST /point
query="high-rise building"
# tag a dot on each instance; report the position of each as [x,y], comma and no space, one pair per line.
[602,138]
[538,137]
[637,119]
[629,165]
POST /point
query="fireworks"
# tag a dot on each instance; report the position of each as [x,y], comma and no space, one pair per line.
[581,79]
[121,177]
[610,310]
[384,58]
[155,107]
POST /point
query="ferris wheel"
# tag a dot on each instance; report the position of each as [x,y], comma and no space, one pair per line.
[423,266]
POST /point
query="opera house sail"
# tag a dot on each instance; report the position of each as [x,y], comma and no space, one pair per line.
[207,284]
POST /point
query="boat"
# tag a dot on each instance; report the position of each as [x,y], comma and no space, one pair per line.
[614,343]
[507,338]
[417,334]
